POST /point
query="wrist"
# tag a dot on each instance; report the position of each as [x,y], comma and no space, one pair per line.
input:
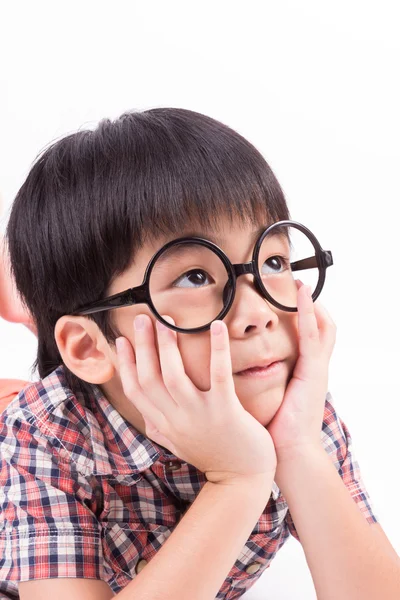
[298,452]
[295,469]
[260,481]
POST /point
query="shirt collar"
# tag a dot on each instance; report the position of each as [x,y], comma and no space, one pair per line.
[118,448]
[142,452]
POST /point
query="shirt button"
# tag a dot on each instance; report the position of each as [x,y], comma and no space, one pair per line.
[253,568]
[172,465]
[141,565]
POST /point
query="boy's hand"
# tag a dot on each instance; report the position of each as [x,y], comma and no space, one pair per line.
[199,427]
[298,422]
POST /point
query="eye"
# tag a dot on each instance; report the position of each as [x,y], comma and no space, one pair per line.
[193,279]
[275,264]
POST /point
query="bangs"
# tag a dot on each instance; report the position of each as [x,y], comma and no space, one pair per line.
[182,169]
[209,195]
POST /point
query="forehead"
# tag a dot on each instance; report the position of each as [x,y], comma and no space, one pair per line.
[223,233]
[230,235]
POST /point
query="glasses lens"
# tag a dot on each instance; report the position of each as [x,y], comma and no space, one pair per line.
[188,282]
[287,254]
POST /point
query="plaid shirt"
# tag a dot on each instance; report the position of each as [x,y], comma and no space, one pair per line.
[84,494]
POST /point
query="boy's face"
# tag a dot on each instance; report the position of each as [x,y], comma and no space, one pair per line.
[257,331]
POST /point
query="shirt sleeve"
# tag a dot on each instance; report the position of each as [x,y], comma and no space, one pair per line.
[338,444]
[48,525]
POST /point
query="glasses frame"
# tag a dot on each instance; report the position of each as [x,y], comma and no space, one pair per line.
[141,294]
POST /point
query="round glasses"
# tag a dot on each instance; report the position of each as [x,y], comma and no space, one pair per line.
[192,280]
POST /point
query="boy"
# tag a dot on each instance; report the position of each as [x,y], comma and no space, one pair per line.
[142,467]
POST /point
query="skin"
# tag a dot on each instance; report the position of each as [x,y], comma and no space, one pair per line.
[11,308]
[256,330]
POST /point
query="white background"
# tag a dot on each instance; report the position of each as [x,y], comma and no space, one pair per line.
[315,86]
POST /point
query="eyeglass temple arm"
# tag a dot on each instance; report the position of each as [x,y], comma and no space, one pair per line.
[326,260]
[132,296]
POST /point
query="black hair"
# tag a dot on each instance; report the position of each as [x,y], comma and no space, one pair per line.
[93,198]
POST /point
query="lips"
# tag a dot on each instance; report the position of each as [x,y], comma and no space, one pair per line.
[263,364]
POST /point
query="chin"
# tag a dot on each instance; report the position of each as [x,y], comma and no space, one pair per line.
[265,405]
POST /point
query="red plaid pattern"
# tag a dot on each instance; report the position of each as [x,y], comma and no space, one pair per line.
[84,494]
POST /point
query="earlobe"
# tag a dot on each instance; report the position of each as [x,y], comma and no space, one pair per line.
[84,349]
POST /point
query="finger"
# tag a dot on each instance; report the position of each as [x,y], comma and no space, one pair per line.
[326,326]
[220,362]
[127,366]
[148,365]
[130,383]
[307,322]
[149,369]
[173,372]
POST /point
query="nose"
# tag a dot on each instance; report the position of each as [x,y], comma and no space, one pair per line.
[250,310]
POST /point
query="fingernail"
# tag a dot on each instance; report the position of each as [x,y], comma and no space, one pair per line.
[216,328]
[118,344]
[168,319]
[139,323]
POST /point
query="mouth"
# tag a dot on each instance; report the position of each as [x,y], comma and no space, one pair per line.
[267,369]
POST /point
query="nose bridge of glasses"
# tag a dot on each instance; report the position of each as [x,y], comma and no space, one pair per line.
[243,269]
[246,269]
[239,269]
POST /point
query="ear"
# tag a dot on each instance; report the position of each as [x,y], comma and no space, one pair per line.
[84,349]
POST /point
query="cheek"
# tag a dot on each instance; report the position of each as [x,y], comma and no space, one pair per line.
[195,350]
[123,319]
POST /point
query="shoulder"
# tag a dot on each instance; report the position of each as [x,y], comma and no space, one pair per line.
[47,416]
